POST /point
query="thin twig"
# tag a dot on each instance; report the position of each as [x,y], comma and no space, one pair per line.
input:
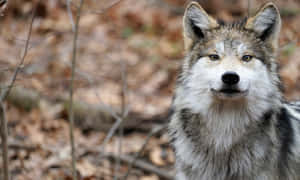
[153,132]
[4,94]
[4,141]
[71,113]
[119,120]
[123,109]
[70,14]
[143,165]
[249,8]
[112,131]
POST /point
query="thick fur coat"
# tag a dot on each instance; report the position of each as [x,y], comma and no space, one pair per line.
[229,120]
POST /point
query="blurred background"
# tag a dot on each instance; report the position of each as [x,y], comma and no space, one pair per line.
[127,60]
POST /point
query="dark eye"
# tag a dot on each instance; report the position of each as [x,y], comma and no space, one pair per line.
[214,57]
[247,58]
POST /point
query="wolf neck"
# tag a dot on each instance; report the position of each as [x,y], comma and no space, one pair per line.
[226,123]
[221,124]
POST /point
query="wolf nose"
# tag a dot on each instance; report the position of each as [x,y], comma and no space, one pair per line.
[230,78]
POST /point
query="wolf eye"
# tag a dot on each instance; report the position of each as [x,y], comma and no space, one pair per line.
[247,58]
[214,57]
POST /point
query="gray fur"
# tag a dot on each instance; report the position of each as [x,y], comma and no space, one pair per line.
[256,137]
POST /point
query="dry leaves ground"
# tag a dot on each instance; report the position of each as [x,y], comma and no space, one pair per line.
[146,36]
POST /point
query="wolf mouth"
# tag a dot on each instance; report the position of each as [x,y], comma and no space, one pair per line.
[229,93]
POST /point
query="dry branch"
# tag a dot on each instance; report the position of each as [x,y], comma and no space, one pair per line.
[123,114]
[4,142]
[70,14]
[145,166]
[71,114]
[4,93]
[133,162]
[249,8]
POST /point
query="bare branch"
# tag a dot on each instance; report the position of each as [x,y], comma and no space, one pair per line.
[153,132]
[71,113]
[249,8]
[70,14]
[4,95]
[112,131]
[121,128]
[143,165]
[4,141]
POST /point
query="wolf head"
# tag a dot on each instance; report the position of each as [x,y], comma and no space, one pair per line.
[229,62]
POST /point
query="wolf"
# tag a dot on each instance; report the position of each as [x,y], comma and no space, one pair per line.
[229,120]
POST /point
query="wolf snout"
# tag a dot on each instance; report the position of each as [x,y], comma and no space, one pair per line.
[230,78]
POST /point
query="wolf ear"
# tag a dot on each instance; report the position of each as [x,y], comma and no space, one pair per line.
[195,22]
[266,23]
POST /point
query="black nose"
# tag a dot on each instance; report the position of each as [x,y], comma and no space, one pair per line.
[230,78]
